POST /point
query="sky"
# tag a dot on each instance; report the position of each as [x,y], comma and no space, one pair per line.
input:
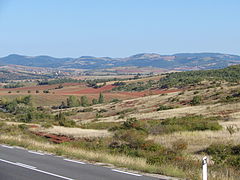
[118,28]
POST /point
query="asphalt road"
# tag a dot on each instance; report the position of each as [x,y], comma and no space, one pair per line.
[21,164]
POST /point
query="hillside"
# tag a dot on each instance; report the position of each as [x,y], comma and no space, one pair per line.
[183,61]
[160,124]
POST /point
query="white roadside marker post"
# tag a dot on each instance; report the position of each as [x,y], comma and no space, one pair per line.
[204,168]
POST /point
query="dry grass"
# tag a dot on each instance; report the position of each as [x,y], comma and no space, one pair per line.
[131,163]
[75,132]
[199,140]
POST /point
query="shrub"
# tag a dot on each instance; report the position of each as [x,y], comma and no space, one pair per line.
[67,123]
[162,107]
[46,91]
[94,101]
[188,123]
[196,100]
[115,100]
[219,152]
[132,137]
[23,126]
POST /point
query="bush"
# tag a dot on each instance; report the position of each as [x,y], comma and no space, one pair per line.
[132,137]
[196,100]
[162,107]
[115,100]
[219,152]
[67,123]
[188,123]
[46,91]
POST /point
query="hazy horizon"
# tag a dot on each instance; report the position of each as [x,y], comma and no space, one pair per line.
[61,28]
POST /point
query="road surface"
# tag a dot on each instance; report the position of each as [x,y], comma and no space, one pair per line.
[21,164]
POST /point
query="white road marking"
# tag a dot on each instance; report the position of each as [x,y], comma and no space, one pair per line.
[25,165]
[70,160]
[48,173]
[10,147]
[34,152]
[17,147]
[115,170]
[35,169]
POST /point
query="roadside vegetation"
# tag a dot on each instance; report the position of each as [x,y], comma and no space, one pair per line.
[166,133]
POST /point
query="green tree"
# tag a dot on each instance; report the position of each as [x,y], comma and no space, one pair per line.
[101,98]
[84,101]
[72,101]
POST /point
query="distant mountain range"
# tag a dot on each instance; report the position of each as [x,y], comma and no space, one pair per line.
[182,61]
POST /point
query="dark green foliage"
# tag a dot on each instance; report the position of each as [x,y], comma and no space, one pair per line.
[196,100]
[115,100]
[58,81]
[67,123]
[60,86]
[63,121]
[101,98]
[138,86]
[119,83]
[86,110]
[95,84]
[188,123]
[162,107]
[225,154]
[84,101]
[46,91]
[193,123]
[182,79]
[72,101]
[94,101]
[125,111]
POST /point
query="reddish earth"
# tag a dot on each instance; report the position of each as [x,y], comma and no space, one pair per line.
[54,138]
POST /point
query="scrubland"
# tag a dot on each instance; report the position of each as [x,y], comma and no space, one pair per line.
[159,130]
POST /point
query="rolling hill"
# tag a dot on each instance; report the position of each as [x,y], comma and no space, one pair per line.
[182,61]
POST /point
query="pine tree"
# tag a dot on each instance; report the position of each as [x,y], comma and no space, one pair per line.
[100,98]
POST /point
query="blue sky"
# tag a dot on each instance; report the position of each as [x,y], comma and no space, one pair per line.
[118,28]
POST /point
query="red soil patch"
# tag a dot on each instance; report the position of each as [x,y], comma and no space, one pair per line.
[33,126]
[54,138]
